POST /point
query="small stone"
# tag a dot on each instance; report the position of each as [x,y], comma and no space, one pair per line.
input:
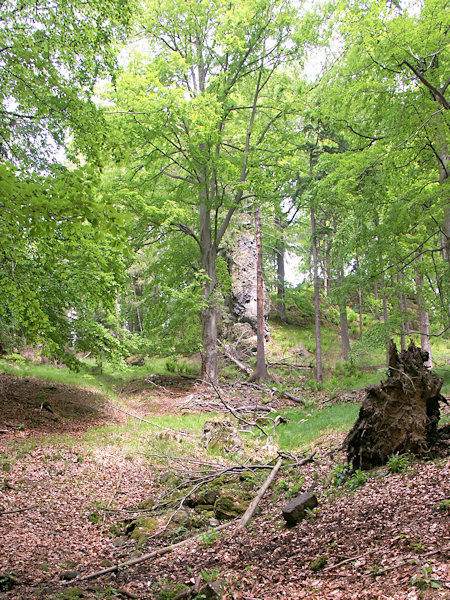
[204,508]
[209,497]
[68,575]
[147,503]
[212,590]
[227,507]
[106,563]
[118,542]
[294,512]
[319,563]
[214,522]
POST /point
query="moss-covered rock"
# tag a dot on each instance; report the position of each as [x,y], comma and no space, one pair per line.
[147,503]
[72,593]
[171,591]
[201,508]
[319,563]
[227,507]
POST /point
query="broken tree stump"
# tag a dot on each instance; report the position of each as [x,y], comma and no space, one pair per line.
[399,415]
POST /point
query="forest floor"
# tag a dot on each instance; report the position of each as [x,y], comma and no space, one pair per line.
[74,467]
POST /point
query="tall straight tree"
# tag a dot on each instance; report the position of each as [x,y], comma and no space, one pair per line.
[194,120]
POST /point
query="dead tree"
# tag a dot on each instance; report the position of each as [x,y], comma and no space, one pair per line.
[399,415]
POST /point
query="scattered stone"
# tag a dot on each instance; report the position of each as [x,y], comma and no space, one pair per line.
[222,435]
[68,575]
[227,508]
[147,503]
[6,582]
[319,563]
[120,541]
[204,508]
[209,497]
[294,512]
[106,563]
[213,522]
[212,590]
[135,361]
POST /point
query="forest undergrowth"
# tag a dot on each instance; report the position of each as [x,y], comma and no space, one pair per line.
[91,481]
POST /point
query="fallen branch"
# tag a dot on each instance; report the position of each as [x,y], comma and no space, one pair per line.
[281,393]
[18,510]
[347,560]
[149,555]
[234,360]
[233,412]
[257,499]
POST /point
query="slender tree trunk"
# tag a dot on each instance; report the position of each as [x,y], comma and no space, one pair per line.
[261,367]
[326,267]
[424,318]
[319,369]
[360,302]
[210,367]
[377,297]
[360,308]
[400,308]
[345,338]
[280,256]
[386,320]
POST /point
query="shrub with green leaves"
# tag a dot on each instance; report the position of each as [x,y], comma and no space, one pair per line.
[397,463]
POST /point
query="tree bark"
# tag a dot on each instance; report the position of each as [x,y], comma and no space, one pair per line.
[261,367]
[319,369]
[424,318]
[210,366]
[345,338]
[280,256]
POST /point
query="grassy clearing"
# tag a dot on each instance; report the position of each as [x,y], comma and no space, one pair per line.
[306,428]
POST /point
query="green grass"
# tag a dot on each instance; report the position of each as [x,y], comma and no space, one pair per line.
[445,373]
[299,435]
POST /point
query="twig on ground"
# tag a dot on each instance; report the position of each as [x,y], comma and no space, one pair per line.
[18,510]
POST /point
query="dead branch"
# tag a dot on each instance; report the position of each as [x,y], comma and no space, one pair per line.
[233,412]
[150,555]
[233,359]
[257,499]
[347,560]
[284,363]
[18,510]
[281,393]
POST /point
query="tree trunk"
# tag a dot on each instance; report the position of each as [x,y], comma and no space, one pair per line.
[424,318]
[377,297]
[280,256]
[210,367]
[345,338]
[319,369]
[261,367]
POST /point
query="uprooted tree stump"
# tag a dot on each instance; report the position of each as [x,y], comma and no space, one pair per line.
[400,414]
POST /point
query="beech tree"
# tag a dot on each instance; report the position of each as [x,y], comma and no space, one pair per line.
[56,232]
[194,120]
